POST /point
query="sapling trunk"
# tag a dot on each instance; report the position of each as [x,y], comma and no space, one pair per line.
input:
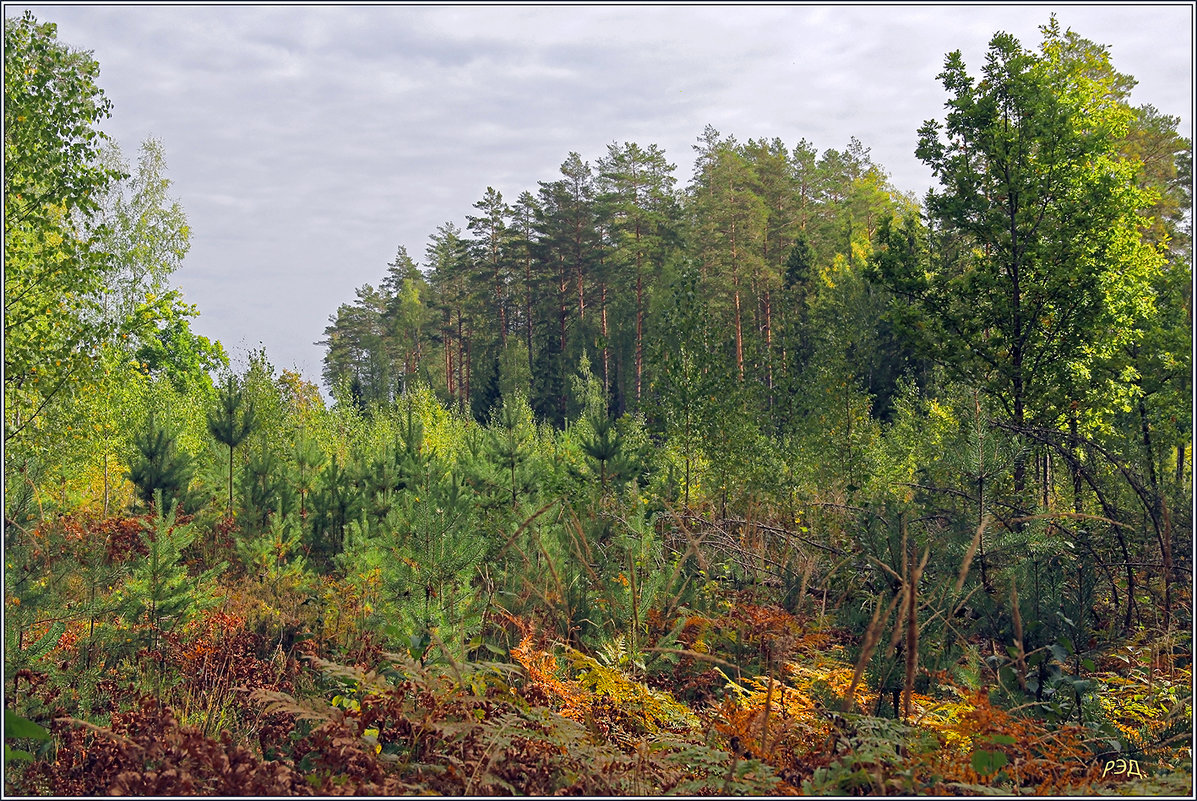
[230,510]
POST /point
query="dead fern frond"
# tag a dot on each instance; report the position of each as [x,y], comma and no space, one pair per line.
[101,730]
[278,702]
[969,554]
[366,679]
[871,638]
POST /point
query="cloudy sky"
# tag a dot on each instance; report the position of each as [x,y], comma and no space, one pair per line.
[307,142]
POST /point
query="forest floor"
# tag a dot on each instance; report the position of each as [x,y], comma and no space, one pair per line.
[260,694]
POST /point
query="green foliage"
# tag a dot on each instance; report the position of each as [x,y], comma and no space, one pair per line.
[676,435]
[35,583]
[158,593]
[146,236]
[231,422]
[52,175]
[307,458]
[684,384]
[509,442]
[159,469]
[187,358]
[266,488]
[274,557]
[871,763]
[1046,272]
[422,554]
[333,504]
[603,446]
[45,643]
[18,728]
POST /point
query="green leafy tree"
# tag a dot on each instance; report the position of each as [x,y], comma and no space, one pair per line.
[1159,366]
[776,185]
[843,317]
[1038,266]
[53,178]
[145,233]
[186,358]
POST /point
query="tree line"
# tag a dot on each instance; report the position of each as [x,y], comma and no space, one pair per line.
[589,266]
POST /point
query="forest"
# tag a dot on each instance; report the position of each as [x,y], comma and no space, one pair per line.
[774,480]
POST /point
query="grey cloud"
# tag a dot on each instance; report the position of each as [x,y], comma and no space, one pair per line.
[307,142]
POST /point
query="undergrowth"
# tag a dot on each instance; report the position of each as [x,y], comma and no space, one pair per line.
[275,681]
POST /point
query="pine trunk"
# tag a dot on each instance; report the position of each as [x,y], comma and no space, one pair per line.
[606,346]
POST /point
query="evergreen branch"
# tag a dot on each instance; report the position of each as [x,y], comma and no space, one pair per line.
[524,525]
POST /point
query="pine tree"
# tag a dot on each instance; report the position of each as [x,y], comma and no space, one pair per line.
[308,459]
[406,318]
[230,423]
[604,445]
[266,489]
[509,438]
[159,592]
[637,189]
[273,556]
[157,466]
[729,225]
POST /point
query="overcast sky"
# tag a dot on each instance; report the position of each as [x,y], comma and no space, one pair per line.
[307,143]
